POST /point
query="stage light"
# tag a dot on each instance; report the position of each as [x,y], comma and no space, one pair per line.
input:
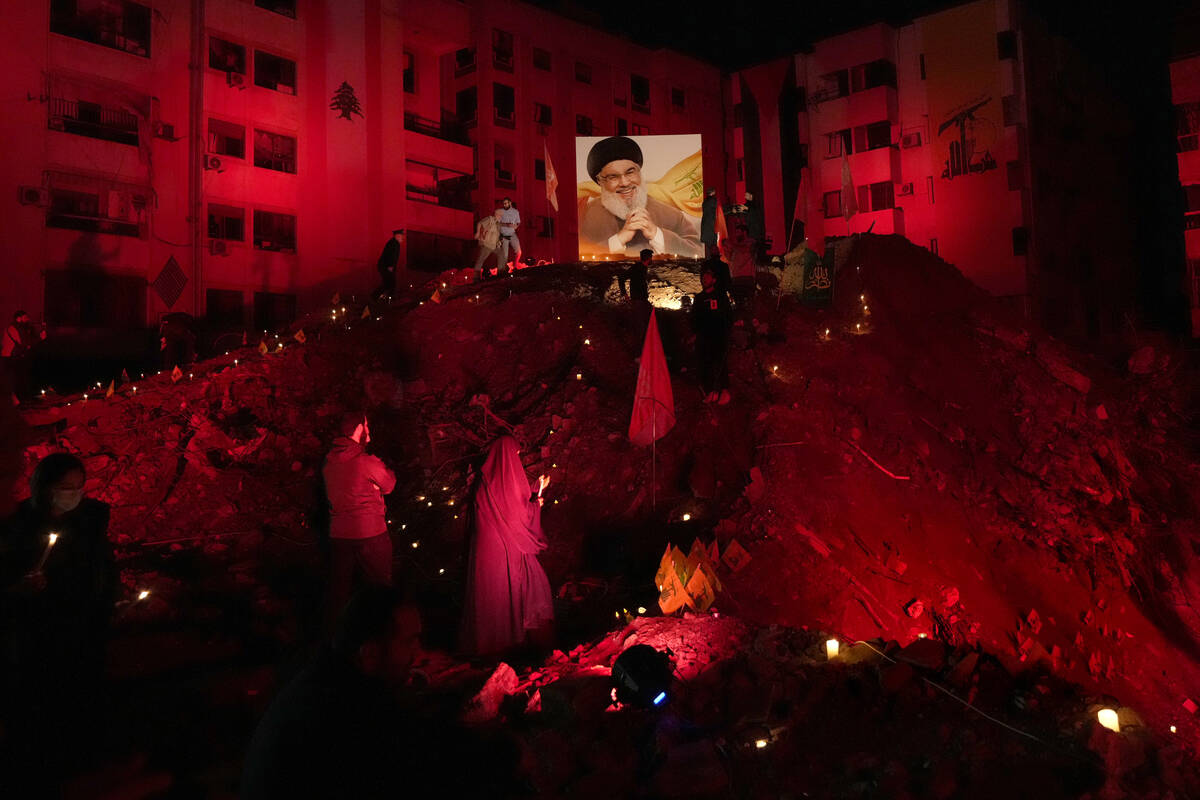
[1108,718]
[831,648]
[641,675]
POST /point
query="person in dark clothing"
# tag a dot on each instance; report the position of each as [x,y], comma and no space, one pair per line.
[339,729]
[58,583]
[754,222]
[389,262]
[708,223]
[355,483]
[177,341]
[637,277]
[16,353]
[712,319]
[720,271]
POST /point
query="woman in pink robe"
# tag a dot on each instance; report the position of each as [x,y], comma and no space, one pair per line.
[508,594]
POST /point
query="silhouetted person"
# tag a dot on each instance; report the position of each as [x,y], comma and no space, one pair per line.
[389,262]
[712,319]
[720,271]
[177,340]
[708,223]
[340,729]
[755,227]
[56,601]
[355,483]
[16,350]
[638,278]
[508,594]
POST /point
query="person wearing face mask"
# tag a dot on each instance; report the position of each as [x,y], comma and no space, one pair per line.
[57,602]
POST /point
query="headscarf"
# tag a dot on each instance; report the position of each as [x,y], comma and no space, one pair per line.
[502,502]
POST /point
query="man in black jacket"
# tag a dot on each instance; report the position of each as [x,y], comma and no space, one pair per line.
[637,278]
[389,262]
[712,319]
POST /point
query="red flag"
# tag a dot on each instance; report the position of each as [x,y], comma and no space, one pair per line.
[551,180]
[653,402]
[722,231]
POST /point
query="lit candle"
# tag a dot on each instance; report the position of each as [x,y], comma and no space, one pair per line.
[831,648]
[1172,729]
[686,517]
[143,594]
[441,572]
[1108,718]
[578,376]
[587,341]
[760,743]
[46,553]
[416,545]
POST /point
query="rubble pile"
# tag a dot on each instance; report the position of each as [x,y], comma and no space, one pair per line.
[913,464]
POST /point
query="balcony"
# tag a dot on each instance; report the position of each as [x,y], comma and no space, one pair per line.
[94,121]
[453,192]
[121,25]
[448,130]
[444,145]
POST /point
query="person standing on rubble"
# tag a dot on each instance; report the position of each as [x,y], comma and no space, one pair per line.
[355,483]
[389,262]
[508,594]
[509,219]
[712,319]
[487,233]
[637,278]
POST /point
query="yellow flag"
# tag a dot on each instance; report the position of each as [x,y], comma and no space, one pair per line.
[366,314]
[437,296]
[176,374]
[682,187]
[300,337]
[262,347]
[112,387]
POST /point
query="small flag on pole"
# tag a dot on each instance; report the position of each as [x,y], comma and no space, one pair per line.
[300,337]
[262,347]
[437,296]
[176,374]
[124,376]
[551,180]
[112,388]
[366,314]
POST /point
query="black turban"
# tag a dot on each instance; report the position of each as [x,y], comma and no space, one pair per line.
[614,148]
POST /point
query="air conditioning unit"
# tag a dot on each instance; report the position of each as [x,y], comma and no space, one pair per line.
[164,130]
[905,189]
[236,79]
[911,139]
[212,162]
[33,196]
[218,247]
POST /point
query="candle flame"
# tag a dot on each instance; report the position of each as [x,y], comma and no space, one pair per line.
[53,539]
[1108,718]
[760,743]
[143,594]
[832,646]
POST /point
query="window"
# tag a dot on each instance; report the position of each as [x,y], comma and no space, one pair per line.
[94,299]
[832,85]
[226,139]
[542,114]
[505,176]
[831,202]
[93,120]
[464,61]
[838,143]
[1016,176]
[1191,198]
[504,103]
[1020,241]
[541,59]
[274,231]
[1187,126]
[83,203]
[583,125]
[882,195]
[872,137]
[426,183]
[285,7]
[226,222]
[1010,109]
[545,227]
[622,127]
[119,24]
[639,93]
[870,75]
[539,169]
[466,104]
[410,73]
[640,129]
[274,72]
[502,50]
[274,151]
[583,72]
[226,56]
[921,60]
[225,309]
[1006,45]
[678,99]
[273,310]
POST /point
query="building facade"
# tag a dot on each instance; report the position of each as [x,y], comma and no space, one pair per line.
[1185,93]
[243,160]
[974,132]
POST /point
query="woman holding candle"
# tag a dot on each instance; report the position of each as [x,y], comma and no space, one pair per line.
[508,594]
[58,580]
